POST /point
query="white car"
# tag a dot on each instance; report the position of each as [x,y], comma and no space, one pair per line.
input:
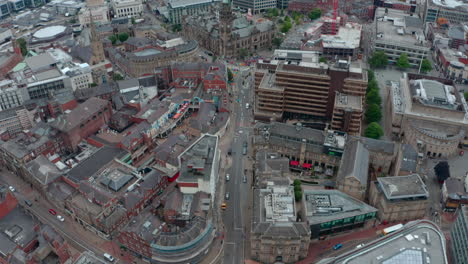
[228,177]
[360,246]
[60,218]
[12,189]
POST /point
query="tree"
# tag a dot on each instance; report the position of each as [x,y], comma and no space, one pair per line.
[277,42]
[373,97]
[287,25]
[323,59]
[230,75]
[243,53]
[298,195]
[373,113]
[374,131]
[123,36]
[93,85]
[297,182]
[426,66]
[297,188]
[287,19]
[72,21]
[370,75]
[466,96]
[23,46]
[113,39]
[442,170]
[372,85]
[282,12]
[117,77]
[378,60]
[272,12]
[315,13]
[133,20]
[403,62]
[177,28]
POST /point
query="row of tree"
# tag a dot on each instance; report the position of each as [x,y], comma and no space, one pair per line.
[380,60]
[122,37]
[373,113]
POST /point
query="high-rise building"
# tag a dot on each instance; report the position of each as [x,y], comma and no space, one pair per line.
[459,236]
[256,6]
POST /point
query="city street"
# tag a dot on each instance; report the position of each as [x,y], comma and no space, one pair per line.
[235,217]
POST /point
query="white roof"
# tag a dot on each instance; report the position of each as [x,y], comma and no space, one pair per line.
[49,32]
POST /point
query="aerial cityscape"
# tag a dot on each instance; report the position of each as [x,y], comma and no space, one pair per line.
[233,131]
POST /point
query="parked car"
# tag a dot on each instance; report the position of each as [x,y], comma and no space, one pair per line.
[223,206]
[12,189]
[244,179]
[360,246]
[108,257]
[228,177]
[52,212]
[60,218]
[244,148]
[337,246]
[227,196]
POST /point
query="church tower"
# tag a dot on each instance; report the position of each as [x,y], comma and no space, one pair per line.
[96,45]
[226,17]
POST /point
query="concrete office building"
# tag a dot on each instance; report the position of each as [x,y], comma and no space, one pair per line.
[455,11]
[276,236]
[399,198]
[307,89]
[331,211]
[256,6]
[399,32]
[11,96]
[179,8]
[419,241]
[4,9]
[459,236]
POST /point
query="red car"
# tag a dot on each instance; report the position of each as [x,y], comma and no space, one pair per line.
[52,212]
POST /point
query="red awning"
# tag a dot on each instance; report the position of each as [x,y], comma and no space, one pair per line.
[306,165]
[294,163]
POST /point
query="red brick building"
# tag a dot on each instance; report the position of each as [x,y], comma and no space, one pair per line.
[83,121]
[9,60]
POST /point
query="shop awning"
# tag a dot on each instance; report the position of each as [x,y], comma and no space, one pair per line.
[294,163]
[306,165]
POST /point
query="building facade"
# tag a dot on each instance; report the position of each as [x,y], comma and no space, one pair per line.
[399,198]
[179,8]
[11,96]
[459,236]
[454,11]
[127,8]
[257,6]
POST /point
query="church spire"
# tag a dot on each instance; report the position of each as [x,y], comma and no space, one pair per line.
[93,28]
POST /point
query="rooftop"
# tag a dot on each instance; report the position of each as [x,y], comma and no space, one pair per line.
[403,187]
[16,228]
[434,93]
[351,102]
[196,163]
[355,162]
[418,242]
[393,27]
[323,206]
[186,3]
[451,4]
[88,257]
[348,37]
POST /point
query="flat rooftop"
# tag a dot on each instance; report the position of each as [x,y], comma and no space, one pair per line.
[351,102]
[323,206]
[269,82]
[188,3]
[348,37]
[418,242]
[197,161]
[401,187]
[450,4]
[394,28]
[434,93]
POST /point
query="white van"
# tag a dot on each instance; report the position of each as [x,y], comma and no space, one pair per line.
[108,257]
[247,105]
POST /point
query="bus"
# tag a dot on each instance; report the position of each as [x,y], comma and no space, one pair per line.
[392,229]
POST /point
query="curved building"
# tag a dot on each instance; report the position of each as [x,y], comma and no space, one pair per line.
[144,60]
[48,33]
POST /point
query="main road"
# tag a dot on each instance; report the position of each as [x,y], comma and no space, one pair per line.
[236,217]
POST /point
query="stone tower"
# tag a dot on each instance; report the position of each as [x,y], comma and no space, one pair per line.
[96,45]
[226,18]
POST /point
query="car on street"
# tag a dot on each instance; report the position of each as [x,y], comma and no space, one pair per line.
[223,206]
[12,189]
[337,246]
[244,180]
[227,196]
[360,246]
[228,177]
[52,212]
[108,257]
[244,148]
[247,106]
[60,218]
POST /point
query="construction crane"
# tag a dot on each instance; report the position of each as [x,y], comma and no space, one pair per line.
[335,15]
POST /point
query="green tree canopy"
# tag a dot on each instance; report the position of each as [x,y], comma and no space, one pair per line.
[322,59]
[243,53]
[117,77]
[298,195]
[297,182]
[123,36]
[372,85]
[426,66]
[373,97]
[23,46]
[287,19]
[370,75]
[133,20]
[378,60]
[287,25]
[230,75]
[315,13]
[466,96]
[277,42]
[373,131]
[373,113]
[176,27]
[403,62]
[113,39]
